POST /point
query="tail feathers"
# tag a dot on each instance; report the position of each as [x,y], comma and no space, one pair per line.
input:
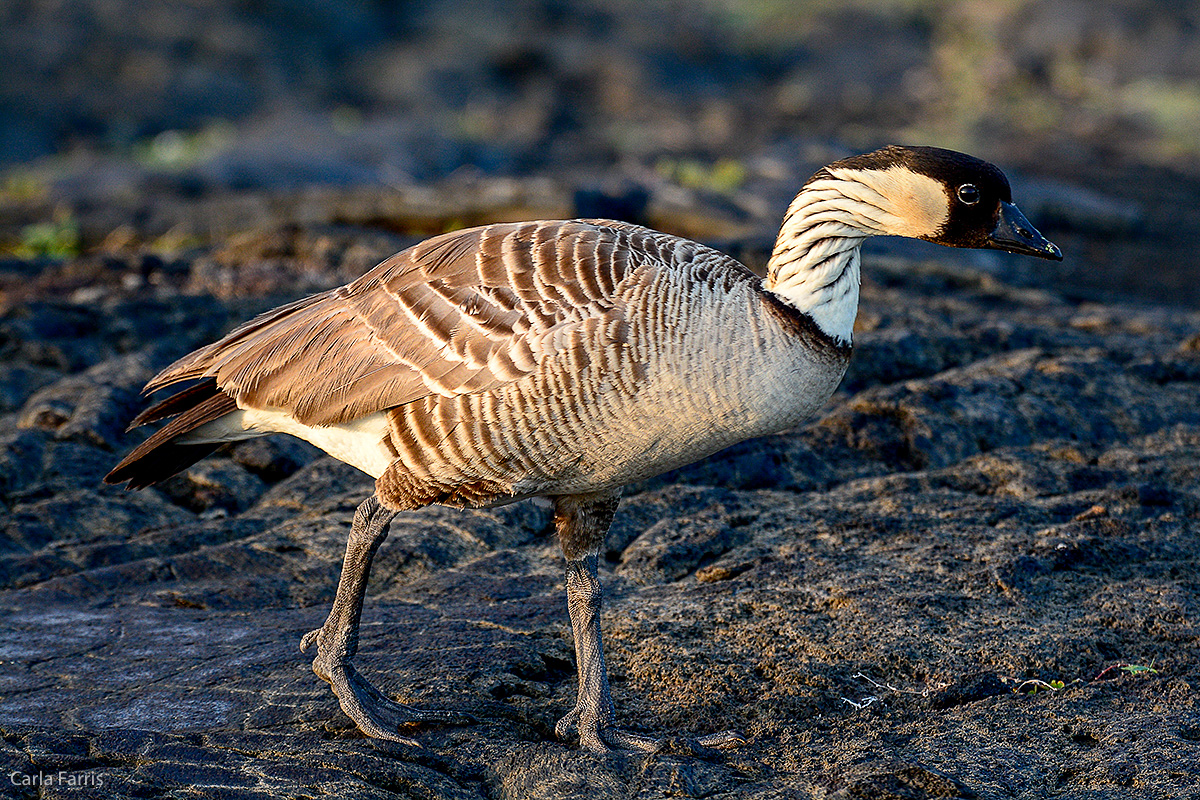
[168,459]
[160,457]
[177,403]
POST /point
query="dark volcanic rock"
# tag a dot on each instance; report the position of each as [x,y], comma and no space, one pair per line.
[678,544]
[91,407]
[928,591]
[215,486]
[273,458]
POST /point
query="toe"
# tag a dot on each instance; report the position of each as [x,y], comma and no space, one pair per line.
[566,727]
[400,714]
[600,737]
[363,707]
[372,711]
[625,740]
[722,740]
[371,723]
[309,639]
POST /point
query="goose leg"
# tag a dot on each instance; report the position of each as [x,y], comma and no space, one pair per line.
[592,718]
[337,640]
[582,523]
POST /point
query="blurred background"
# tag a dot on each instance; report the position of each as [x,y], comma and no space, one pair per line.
[232,146]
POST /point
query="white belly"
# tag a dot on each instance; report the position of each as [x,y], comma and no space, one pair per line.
[359,443]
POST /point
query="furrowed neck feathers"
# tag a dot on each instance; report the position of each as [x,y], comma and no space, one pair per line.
[815,263]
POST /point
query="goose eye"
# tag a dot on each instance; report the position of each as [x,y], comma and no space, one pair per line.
[968,194]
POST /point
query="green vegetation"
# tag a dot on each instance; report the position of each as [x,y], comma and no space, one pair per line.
[23,186]
[175,149]
[1033,685]
[57,238]
[722,177]
[1138,669]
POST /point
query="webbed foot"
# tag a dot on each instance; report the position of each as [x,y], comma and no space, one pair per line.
[370,709]
[603,736]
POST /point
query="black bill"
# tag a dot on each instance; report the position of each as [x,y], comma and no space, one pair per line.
[1014,234]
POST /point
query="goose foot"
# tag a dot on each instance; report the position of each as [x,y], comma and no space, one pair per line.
[602,736]
[592,719]
[371,710]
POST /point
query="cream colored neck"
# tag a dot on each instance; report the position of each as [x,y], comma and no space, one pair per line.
[817,271]
[815,264]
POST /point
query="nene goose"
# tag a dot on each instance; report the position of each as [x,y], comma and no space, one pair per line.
[562,359]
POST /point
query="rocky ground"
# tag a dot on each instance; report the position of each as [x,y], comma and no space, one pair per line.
[973,575]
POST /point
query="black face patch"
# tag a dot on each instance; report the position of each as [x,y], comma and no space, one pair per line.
[974,188]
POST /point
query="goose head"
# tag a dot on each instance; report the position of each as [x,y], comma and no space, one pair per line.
[943,196]
[940,196]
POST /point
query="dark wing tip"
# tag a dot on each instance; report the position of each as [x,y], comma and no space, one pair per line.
[160,457]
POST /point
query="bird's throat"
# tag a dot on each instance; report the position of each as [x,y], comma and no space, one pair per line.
[821,279]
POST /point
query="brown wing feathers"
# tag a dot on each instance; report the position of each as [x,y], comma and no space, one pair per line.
[457,313]
[195,364]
